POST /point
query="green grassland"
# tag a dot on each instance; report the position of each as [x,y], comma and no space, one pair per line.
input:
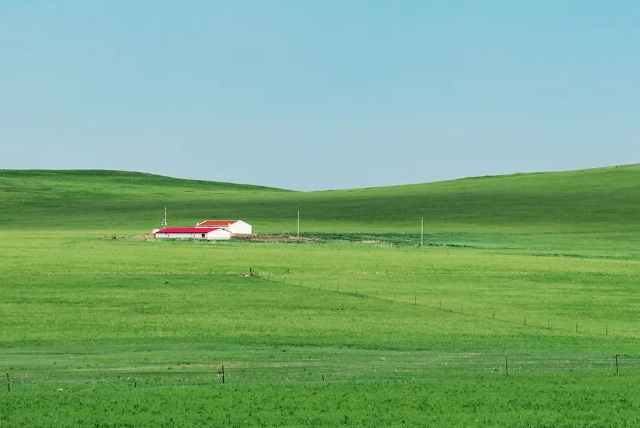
[510,316]
[595,200]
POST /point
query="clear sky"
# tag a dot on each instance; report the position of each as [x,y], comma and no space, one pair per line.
[319,94]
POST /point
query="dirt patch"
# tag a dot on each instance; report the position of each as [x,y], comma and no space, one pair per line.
[275,238]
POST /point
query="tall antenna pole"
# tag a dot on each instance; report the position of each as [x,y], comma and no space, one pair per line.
[164,218]
[422,231]
[298,223]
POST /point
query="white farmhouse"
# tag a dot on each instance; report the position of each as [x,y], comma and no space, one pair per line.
[209,233]
[237,227]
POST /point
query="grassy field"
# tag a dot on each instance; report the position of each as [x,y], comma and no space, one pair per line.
[511,316]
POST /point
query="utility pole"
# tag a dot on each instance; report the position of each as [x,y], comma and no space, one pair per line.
[298,223]
[164,218]
[422,232]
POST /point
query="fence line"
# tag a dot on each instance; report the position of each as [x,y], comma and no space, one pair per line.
[380,367]
[566,326]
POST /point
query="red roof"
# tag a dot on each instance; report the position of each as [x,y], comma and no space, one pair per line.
[187,230]
[216,223]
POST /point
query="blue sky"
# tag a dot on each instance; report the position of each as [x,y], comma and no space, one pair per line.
[319,95]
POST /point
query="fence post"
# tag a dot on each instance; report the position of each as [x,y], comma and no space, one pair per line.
[617,368]
[223,374]
[8,383]
[506,364]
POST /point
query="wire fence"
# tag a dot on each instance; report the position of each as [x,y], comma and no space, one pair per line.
[378,368]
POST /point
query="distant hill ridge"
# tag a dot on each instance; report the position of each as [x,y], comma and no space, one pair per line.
[117,175]
[599,199]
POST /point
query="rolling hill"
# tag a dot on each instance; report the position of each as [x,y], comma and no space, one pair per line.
[593,200]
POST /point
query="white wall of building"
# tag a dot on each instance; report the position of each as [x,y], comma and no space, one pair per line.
[219,234]
[241,228]
[213,235]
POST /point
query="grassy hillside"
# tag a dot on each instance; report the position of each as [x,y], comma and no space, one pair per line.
[110,200]
[538,280]
[605,199]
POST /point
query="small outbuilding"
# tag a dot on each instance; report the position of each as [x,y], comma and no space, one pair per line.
[209,233]
[237,227]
